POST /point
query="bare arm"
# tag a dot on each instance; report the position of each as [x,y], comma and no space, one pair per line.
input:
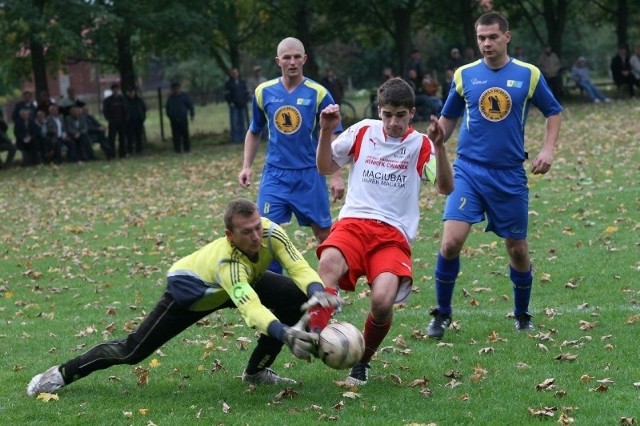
[543,161]
[251,142]
[448,125]
[444,174]
[329,120]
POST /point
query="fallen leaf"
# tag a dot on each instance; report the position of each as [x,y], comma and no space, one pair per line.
[566,357]
[543,412]
[601,388]
[565,420]
[546,384]
[543,347]
[338,406]
[46,397]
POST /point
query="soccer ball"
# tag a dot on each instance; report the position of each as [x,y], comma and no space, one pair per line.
[340,345]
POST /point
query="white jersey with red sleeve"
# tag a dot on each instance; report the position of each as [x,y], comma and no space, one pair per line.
[385,174]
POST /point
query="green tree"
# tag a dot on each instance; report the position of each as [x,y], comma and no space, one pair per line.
[34,40]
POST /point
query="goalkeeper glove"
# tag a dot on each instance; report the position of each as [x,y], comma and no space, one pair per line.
[301,343]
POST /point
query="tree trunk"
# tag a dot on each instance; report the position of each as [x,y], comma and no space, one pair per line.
[311,68]
[467,12]
[125,61]
[402,37]
[38,62]
[622,22]
[555,18]
[39,67]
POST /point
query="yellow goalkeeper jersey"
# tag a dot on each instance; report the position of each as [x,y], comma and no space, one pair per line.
[217,272]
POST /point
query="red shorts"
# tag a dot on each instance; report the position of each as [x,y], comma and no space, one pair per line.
[371,247]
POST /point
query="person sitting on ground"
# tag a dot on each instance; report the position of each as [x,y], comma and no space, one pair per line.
[621,70]
[96,132]
[47,148]
[56,136]
[77,133]
[580,74]
[26,141]
[429,88]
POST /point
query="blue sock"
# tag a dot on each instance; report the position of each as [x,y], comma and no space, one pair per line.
[522,282]
[275,267]
[445,275]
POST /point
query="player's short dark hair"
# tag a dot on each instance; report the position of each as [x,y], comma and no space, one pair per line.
[240,207]
[396,92]
[491,18]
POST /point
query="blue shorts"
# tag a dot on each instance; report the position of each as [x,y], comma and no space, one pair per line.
[500,194]
[301,192]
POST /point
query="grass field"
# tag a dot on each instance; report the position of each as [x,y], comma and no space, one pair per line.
[84,250]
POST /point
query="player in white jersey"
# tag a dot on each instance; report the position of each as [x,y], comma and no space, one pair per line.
[388,159]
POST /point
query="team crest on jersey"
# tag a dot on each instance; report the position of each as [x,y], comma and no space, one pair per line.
[495,104]
[287,119]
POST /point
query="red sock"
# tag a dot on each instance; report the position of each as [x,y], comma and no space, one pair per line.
[318,316]
[374,334]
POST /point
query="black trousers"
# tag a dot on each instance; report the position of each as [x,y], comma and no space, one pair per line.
[180,133]
[117,128]
[167,319]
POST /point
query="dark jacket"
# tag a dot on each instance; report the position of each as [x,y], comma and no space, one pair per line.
[619,64]
[136,108]
[236,92]
[179,106]
[114,108]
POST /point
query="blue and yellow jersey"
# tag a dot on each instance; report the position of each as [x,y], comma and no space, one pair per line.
[494,105]
[293,120]
[219,272]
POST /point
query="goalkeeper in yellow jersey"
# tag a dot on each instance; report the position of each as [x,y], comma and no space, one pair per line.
[230,272]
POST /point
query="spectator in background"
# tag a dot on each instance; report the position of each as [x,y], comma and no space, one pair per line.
[179,107]
[136,115]
[255,80]
[485,5]
[519,54]
[333,84]
[446,84]
[68,101]
[76,129]
[549,65]
[429,89]
[47,149]
[469,55]
[6,145]
[26,102]
[96,132]
[56,136]
[387,73]
[114,108]
[621,70]
[237,96]
[634,61]
[455,60]
[413,63]
[580,74]
[26,140]
[44,102]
